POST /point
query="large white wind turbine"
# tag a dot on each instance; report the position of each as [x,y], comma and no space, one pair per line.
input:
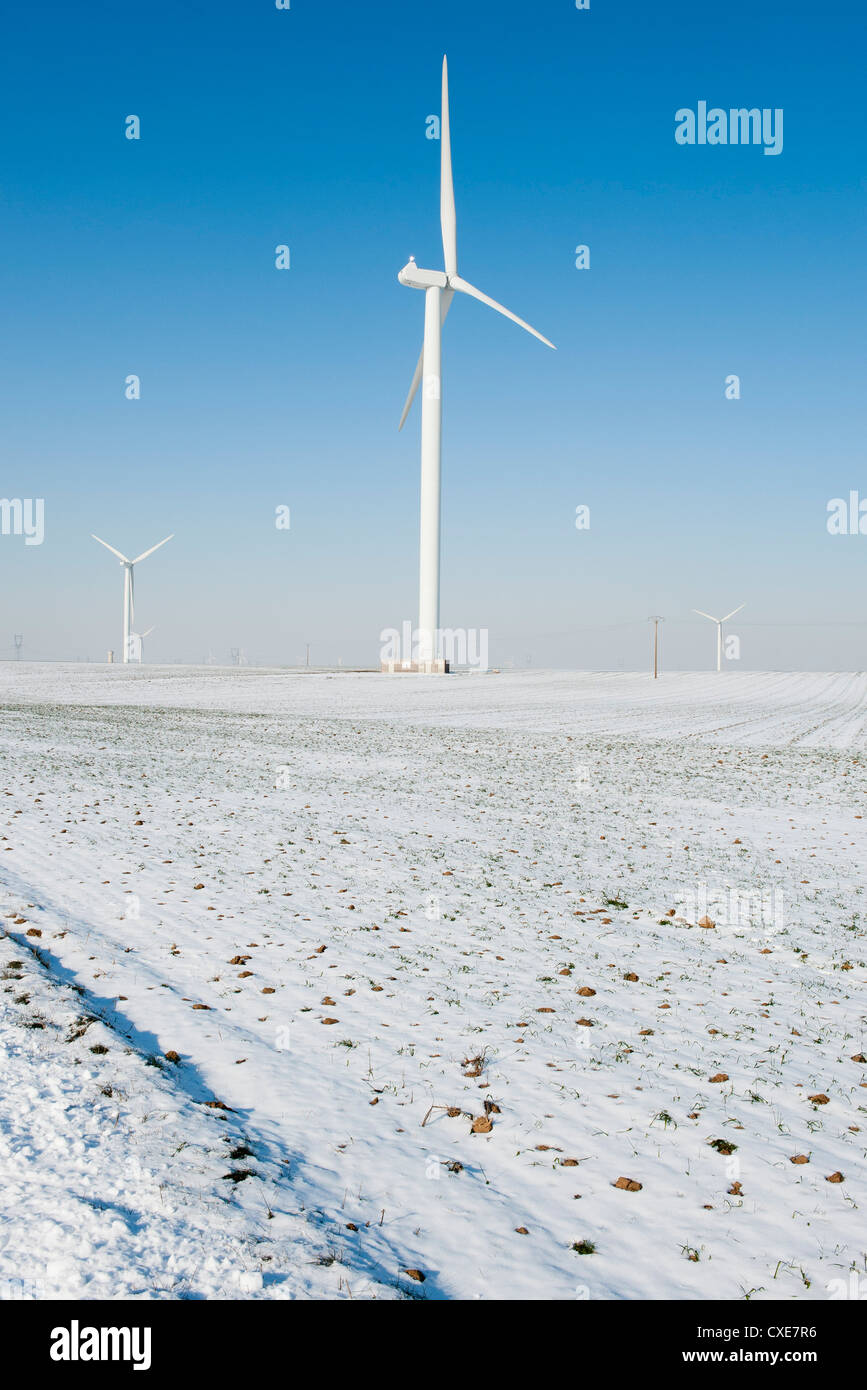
[129,591]
[439,287]
[719,622]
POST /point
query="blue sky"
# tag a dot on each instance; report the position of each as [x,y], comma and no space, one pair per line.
[263,387]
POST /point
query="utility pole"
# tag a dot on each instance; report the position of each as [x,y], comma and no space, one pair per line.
[19,642]
[656,621]
[308,653]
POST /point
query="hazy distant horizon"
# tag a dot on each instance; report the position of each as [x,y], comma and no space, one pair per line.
[373,668]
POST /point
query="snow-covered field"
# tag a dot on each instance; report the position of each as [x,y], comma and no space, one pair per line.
[433,944]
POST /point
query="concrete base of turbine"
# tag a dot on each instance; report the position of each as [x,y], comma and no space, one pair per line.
[438,667]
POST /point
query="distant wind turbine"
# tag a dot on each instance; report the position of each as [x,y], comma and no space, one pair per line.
[439,287]
[719,622]
[129,594]
[136,640]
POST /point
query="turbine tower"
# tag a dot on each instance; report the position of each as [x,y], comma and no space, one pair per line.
[439,287]
[719,622]
[129,593]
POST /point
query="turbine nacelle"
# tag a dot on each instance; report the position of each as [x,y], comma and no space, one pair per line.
[416,279]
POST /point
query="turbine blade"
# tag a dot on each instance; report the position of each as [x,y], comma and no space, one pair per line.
[146,553]
[448,216]
[702,614]
[416,382]
[111,548]
[731,615]
[456,283]
[445,304]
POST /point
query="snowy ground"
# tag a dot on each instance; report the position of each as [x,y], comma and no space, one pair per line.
[435,944]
